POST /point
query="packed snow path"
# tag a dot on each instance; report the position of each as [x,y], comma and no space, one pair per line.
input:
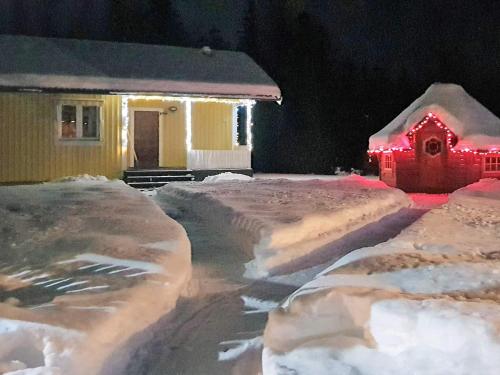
[213,332]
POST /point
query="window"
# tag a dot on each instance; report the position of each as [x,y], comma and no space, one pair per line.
[242,126]
[492,164]
[433,146]
[387,161]
[79,121]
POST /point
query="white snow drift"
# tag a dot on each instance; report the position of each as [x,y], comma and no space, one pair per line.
[282,220]
[426,302]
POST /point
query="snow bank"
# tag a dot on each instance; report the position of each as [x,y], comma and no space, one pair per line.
[425,302]
[226,176]
[81,178]
[27,345]
[279,221]
[418,337]
[85,265]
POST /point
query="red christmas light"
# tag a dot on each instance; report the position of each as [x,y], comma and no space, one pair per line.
[450,139]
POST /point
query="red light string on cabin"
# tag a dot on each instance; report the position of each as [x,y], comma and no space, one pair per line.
[450,138]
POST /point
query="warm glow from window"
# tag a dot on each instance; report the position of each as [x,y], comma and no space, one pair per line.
[79,121]
[492,164]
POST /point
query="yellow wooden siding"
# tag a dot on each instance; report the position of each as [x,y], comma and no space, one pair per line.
[30,150]
[172,131]
[212,126]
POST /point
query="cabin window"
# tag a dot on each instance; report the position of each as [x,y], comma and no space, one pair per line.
[79,121]
[492,164]
[433,146]
[388,161]
[242,125]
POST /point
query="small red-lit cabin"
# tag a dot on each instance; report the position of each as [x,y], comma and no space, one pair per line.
[443,141]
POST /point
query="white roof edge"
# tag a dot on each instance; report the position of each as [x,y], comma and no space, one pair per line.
[127,85]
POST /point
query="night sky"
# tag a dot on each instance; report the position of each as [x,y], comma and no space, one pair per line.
[346,67]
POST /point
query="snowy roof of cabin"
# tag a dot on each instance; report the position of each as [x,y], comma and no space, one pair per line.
[474,125]
[54,64]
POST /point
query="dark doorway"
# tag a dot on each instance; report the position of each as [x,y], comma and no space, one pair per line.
[146,139]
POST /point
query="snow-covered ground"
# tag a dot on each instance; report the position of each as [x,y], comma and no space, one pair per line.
[305,177]
[279,220]
[425,302]
[84,265]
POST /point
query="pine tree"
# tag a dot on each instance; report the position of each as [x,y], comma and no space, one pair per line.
[214,40]
[165,23]
[248,36]
[146,21]
[124,21]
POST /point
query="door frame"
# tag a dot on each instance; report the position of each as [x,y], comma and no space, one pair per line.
[441,158]
[131,116]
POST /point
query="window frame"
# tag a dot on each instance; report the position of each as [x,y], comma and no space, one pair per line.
[388,159]
[496,163]
[79,139]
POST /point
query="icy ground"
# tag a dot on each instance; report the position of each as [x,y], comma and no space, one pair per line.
[425,302]
[84,264]
[279,221]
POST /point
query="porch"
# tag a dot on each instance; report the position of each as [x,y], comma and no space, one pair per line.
[194,134]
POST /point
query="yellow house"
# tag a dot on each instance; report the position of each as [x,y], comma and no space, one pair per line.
[70,107]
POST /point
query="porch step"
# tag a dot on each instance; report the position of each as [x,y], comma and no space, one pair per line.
[157,172]
[149,179]
[187,177]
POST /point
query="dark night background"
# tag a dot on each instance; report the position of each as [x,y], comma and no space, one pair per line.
[346,67]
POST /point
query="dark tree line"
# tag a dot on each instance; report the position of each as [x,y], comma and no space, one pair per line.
[139,21]
[346,73]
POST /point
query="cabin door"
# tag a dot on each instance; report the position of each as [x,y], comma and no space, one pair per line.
[146,139]
[432,157]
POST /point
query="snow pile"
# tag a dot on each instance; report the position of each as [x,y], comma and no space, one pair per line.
[81,178]
[407,336]
[478,204]
[475,126]
[28,346]
[425,302]
[279,221]
[226,176]
[84,265]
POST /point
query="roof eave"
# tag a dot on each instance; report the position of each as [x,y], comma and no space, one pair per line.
[115,86]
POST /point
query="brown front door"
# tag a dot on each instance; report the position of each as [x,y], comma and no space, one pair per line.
[431,156]
[146,139]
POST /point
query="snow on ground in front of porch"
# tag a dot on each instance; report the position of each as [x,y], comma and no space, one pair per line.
[425,302]
[84,264]
[280,220]
[304,177]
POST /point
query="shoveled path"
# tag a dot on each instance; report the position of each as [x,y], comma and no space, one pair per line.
[188,341]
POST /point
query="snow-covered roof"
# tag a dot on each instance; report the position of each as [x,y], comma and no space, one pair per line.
[54,64]
[474,125]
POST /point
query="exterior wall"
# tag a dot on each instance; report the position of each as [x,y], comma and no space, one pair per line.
[460,170]
[30,150]
[407,176]
[240,158]
[172,132]
[463,169]
[212,126]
